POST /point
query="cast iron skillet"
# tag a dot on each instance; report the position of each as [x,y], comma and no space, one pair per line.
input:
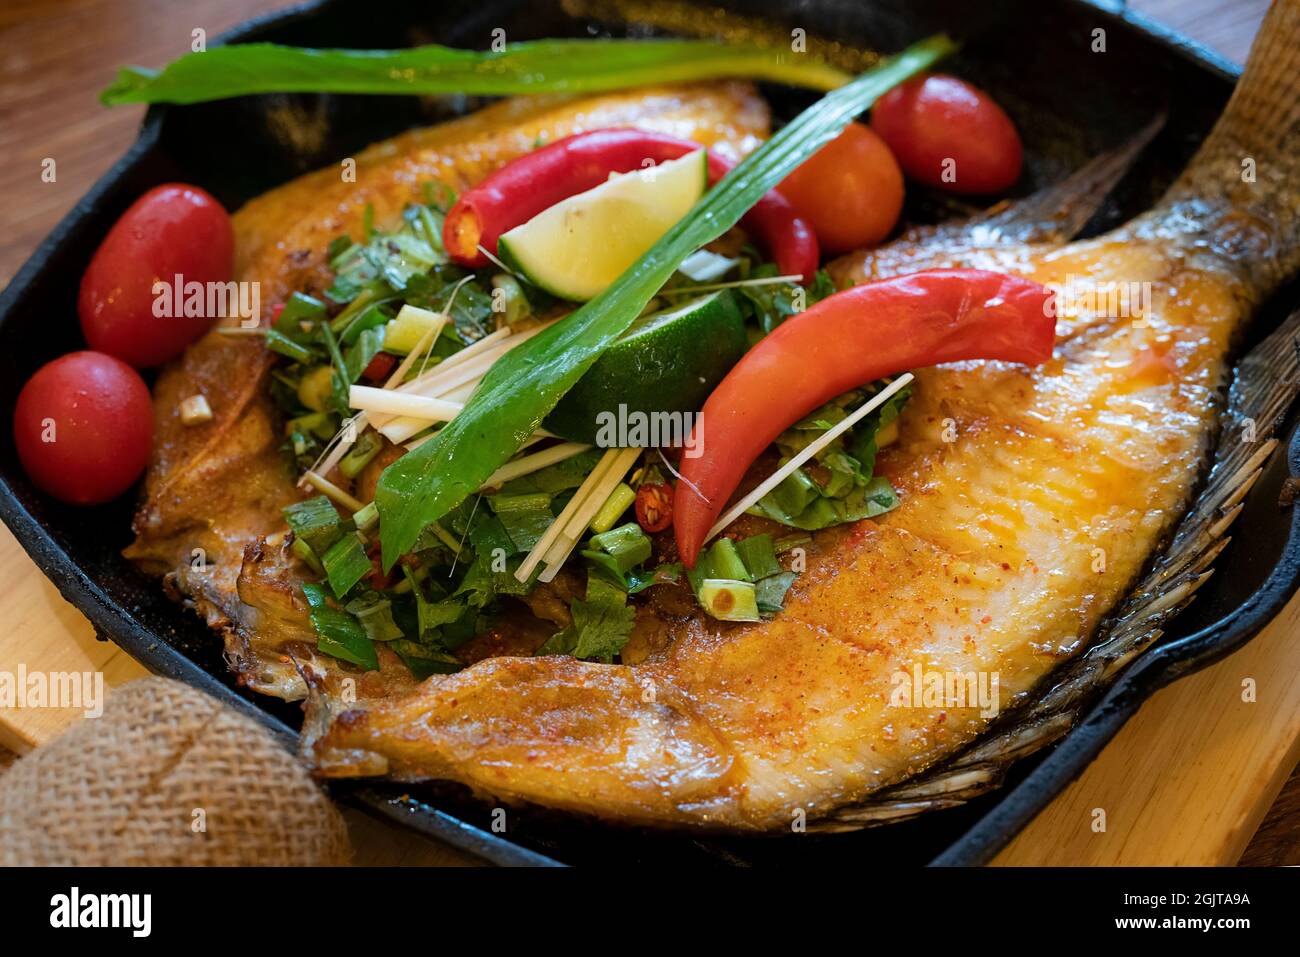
[1037,59]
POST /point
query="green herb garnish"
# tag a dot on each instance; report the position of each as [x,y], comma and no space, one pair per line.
[525,384]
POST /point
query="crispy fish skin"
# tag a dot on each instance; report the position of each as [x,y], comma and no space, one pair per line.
[1031,500]
[211,517]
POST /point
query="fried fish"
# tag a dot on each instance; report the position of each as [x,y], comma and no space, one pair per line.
[1031,501]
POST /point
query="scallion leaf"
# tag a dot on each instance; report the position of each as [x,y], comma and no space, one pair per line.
[315,521]
[541,66]
[345,564]
[337,633]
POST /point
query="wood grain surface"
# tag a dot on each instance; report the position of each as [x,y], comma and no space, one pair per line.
[1189,780]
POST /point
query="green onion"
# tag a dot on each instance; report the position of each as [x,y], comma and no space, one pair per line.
[277,342]
[725,561]
[375,317]
[340,386]
[319,424]
[423,660]
[729,600]
[528,501]
[627,545]
[769,593]
[525,384]
[614,507]
[345,564]
[366,517]
[759,556]
[298,308]
[303,551]
[337,633]
[541,66]
[376,616]
[359,455]
[316,522]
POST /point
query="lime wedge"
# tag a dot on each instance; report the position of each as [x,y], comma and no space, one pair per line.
[577,247]
[666,362]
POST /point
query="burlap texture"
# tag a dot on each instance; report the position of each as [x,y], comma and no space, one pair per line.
[134,785]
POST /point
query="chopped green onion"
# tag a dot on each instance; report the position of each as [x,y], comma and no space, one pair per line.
[282,344]
[375,317]
[316,522]
[729,600]
[366,518]
[303,551]
[376,616]
[346,563]
[298,308]
[769,592]
[759,556]
[359,456]
[319,424]
[338,634]
[614,507]
[725,561]
[524,502]
[628,545]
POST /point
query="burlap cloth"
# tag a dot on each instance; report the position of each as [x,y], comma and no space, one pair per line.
[166,776]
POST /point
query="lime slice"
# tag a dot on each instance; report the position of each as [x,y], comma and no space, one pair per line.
[577,247]
[666,362]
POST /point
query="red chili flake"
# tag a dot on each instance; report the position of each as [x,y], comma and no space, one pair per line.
[378,580]
[654,507]
[380,367]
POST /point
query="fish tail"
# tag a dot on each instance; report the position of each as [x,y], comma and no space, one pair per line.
[1240,196]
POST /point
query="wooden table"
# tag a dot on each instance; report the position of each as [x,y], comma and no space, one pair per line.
[1187,781]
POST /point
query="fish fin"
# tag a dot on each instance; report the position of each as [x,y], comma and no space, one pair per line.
[1059,213]
[1240,195]
[1263,390]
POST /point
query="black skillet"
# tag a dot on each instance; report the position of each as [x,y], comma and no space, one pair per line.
[1036,58]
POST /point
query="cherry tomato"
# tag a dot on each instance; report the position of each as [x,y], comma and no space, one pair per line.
[851,190]
[83,426]
[172,230]
[950,135]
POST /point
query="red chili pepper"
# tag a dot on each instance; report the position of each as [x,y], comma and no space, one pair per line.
[538,180]
[380,367]
[654,507]
[275,312]
[851,338]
